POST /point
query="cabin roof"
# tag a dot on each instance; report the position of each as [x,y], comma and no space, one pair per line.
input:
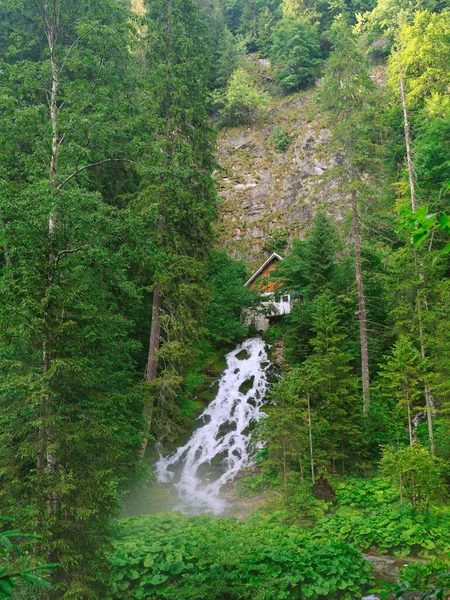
[271,258]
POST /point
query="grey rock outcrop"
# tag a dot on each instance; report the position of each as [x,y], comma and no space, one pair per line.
[264,192]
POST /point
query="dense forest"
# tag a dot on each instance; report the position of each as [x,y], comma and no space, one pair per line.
[119,301]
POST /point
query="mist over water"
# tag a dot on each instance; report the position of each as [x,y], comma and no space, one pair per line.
[220,447]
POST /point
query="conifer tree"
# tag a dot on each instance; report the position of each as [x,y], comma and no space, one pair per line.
[403,374]
[179,188]
[332,385]
[287,430]
[68,405]
[348,95]
[311,269]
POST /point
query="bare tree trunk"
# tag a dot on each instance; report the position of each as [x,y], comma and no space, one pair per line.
[362,313]
[285,472]
[152,362]
[410,429]
[311,454]
[407,138]
[47,461]
[427,391]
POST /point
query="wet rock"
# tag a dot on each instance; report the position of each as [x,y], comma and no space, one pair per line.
[387,567]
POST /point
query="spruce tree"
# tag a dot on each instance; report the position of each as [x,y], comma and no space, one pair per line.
[179,189]
[403,375]
[348,94]
[332,385]
[68,407]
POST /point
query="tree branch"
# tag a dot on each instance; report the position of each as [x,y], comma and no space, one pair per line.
[95,164]
[65,252]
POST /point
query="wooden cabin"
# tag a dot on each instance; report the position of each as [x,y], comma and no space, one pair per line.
[271,305]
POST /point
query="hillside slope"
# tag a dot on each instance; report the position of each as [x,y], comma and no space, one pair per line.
[266,194]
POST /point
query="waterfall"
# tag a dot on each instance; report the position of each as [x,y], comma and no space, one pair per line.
[220,447]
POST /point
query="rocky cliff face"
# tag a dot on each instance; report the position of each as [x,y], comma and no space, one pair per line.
[268,195]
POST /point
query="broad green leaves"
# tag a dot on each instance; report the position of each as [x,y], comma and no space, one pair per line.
[200,557]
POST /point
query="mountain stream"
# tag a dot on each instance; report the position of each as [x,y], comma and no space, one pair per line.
[220,447]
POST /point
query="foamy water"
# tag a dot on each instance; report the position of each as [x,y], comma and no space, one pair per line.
[224,437]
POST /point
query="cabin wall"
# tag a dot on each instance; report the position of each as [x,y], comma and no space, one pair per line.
[262,284]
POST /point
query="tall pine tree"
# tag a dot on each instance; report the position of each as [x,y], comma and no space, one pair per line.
[178,187]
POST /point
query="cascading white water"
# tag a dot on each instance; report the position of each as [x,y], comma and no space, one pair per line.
[224,437]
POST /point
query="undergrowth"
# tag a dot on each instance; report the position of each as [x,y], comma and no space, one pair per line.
[193,558]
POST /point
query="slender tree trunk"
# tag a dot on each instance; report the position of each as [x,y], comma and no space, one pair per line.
[285,472]
[427,391]
[311,454]
[362,313]
[407,138]
[152,362]
[410,428]
[46,460]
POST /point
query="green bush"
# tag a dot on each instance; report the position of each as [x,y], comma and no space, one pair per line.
[427,577]
[280,139]
[252,485]
[390,529]
[241,103]
[194,558]
[418,474]
[365,493]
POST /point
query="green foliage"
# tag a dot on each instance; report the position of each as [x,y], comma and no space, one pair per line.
[327,378]
[73,291]
[417,472]
[428,578]
[295,53]
[177,144]
[390,529]
[251,485]
[16,568]
[69,406]
[172,556]
[230,54]
[242,102]
[229,296]
[424,55]
[365,493]
[278,239]
[349,96]
[280,139]
[301,509]
[403,376]
[424,580]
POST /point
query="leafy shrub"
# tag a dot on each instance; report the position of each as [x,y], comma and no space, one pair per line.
[242,102]
[280,139]
[417,472]
[229,296]
[300,508]
[427,576]
[365,493]
[273,335]
[419,580]
[251,485]
[390,529]
[193,558]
